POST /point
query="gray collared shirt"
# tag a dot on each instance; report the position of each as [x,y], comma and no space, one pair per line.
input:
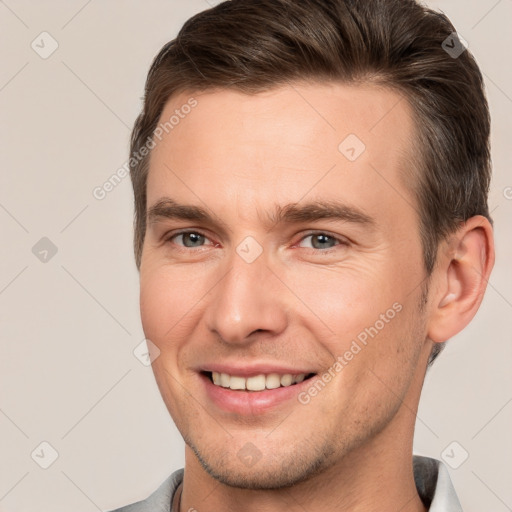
[431,477]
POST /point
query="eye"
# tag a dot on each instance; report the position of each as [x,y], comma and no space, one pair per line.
[318,241]
[322,241]
[188,239]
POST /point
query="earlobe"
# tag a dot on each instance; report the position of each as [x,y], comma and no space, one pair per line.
[462,276]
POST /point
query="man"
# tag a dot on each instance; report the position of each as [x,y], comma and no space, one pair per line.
[311,227]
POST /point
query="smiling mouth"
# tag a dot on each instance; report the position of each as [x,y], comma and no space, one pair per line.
[261,382]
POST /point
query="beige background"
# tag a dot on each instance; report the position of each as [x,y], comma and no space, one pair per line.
[69,326]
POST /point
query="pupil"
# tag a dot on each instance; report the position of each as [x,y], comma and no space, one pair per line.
[194,238]
[323,239]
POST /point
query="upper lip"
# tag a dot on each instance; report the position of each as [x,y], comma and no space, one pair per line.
[250,370]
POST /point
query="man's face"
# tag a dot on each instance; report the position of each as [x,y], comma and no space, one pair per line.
[260,288]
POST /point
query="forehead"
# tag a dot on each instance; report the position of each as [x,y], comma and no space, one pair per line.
[328,141]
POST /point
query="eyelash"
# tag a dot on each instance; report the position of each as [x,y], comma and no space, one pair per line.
[341,241]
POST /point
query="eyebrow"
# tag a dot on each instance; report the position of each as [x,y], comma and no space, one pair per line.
[293,213]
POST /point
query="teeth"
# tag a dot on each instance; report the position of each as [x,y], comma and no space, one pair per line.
[224,380]
[273,381]
[286,380]
[257,382]
[237,383]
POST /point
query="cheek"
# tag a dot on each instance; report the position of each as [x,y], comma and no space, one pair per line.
[155,301]
[342,301]
[169,302]
[361,319]
[161,304]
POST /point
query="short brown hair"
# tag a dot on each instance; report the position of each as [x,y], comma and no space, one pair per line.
[255,45]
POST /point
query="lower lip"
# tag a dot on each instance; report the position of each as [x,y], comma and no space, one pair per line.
[251,402]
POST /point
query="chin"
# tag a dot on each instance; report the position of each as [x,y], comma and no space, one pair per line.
[272,471]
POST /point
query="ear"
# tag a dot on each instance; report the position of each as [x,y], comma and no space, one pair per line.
[464,264]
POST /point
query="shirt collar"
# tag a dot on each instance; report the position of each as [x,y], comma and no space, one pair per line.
[434,485]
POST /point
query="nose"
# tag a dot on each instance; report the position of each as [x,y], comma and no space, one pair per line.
[248,299]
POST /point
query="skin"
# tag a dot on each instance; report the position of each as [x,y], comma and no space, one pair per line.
[238,156]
